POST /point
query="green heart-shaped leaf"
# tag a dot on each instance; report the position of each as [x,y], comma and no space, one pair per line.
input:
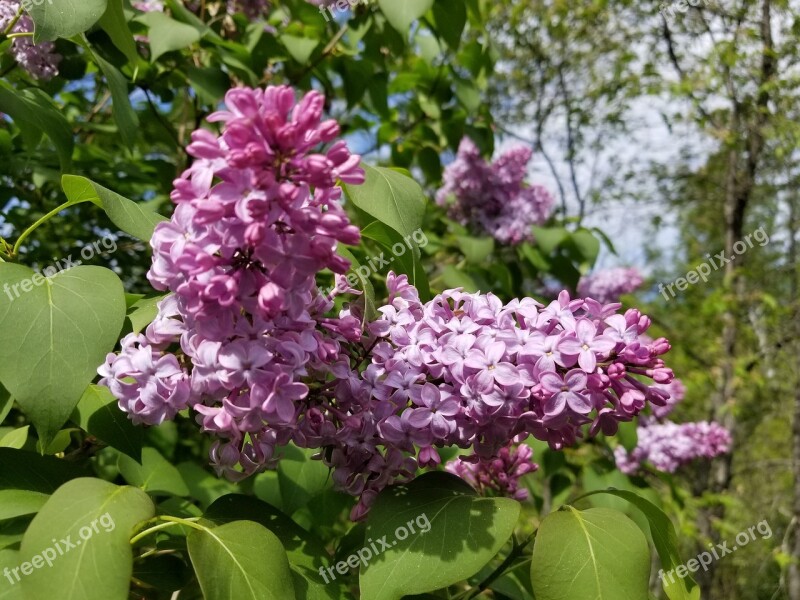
[402,14]
[451,533]
[91,521]
[241,560]
[55,332]
[391,197]
[597,553]
[63,18]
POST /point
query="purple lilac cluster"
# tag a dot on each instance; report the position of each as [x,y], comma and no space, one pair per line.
[493,198]
[676,391]
[500,475]
[40,60]
[609,284]
[258,215]
[466,370]
[667,446]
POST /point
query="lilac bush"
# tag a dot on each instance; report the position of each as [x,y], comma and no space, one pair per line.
[246,340]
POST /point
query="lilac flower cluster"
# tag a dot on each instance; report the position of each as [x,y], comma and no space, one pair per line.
[668,446]
[497,476]
[258,216]
[676,392]
[40,60]
[493,198]
[246,341]
[609,284]
[516,368]
[466,370]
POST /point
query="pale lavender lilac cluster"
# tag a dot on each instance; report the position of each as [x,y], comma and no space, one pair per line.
[668,446]
[498,476]
[40,60]
[676,391]
[493,198]
[467,370]
[608,285]
[246,341]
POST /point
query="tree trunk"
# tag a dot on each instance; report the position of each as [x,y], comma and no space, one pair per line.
[793,581]
[740,184]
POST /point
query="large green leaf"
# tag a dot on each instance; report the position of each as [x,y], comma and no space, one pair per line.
[549,238]
[598,553]
[115,25]
[391,197]
[126,214]
[167,34]
[124,115]
[98,518]
[401,14]
[63,18]
[587,245]
[666,542]
[302,548]
[54,335]
[97,413]
[241,560]
[32,109]
[466,532]
[299,48]
[155,474]
[450,17]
